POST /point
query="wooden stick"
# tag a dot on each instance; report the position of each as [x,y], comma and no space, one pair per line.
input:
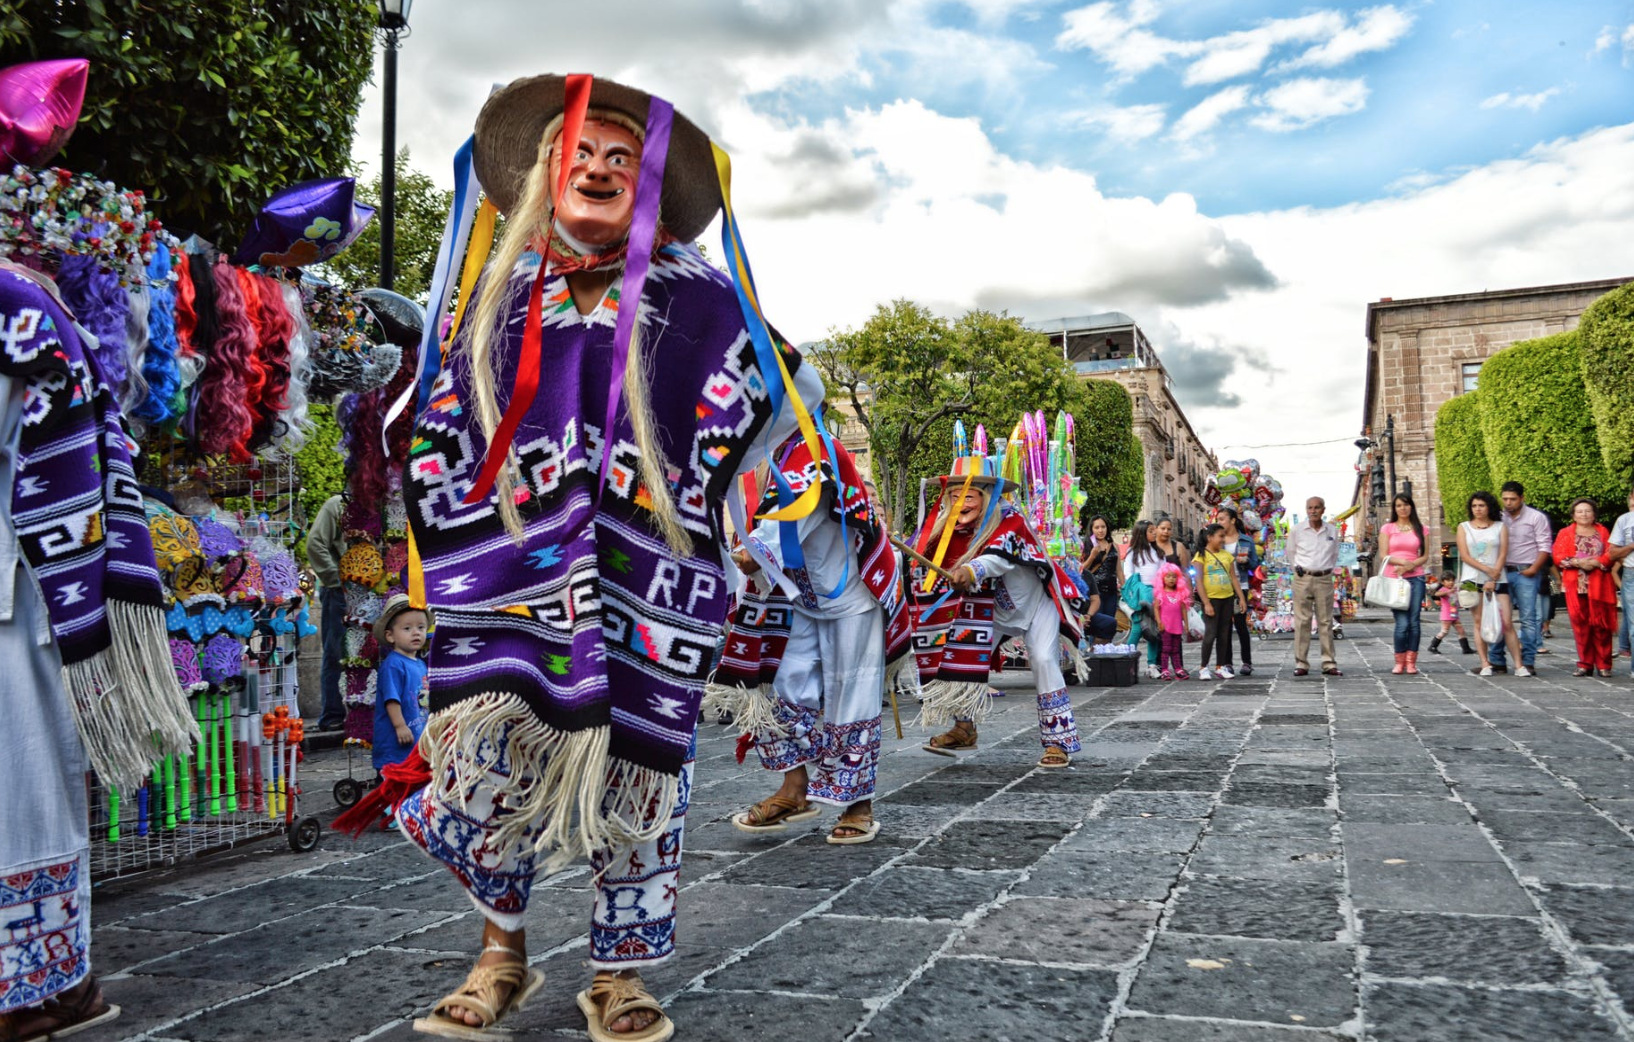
[922,559]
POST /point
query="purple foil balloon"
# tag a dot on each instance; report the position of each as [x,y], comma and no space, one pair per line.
[39,105]
[305,223]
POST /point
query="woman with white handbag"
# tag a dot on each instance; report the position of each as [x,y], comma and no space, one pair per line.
[1483,544]
[1404,560]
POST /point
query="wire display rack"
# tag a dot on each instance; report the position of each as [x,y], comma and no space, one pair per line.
[241,782]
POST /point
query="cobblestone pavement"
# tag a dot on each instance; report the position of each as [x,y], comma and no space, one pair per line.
[1263,860]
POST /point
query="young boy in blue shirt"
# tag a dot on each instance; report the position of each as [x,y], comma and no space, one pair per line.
[398,716]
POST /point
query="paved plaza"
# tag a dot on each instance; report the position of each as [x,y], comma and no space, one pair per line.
[1270,859]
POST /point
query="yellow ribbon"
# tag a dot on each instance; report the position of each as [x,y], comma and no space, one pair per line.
[476,256]
[954,506]
[808,500]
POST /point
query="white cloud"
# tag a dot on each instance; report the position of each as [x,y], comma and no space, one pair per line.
[1532,102]
[1130,123]
[1202,117]
[1244,52]
[1376,29]
[1122,38]
[1610,37]
[1304,102]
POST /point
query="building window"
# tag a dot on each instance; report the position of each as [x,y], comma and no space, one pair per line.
[1472,374]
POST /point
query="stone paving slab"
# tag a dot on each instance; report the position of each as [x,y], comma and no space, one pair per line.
[1372,859]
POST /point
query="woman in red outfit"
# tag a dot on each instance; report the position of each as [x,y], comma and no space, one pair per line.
[1591,597]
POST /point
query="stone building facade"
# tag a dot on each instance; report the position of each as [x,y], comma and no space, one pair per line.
[1112,346]
[1424,351]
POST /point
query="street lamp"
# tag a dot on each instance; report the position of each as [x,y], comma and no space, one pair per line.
[394,16]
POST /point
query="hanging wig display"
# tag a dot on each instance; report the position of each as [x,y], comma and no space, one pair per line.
[101,306]
[160,375]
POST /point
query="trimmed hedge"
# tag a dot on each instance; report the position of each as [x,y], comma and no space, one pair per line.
[1607,333]
[1460,455]
[1539,429]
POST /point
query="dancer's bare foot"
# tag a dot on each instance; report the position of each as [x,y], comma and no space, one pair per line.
[794,784]
[494,940]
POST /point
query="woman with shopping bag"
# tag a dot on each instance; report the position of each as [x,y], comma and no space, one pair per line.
[1483,544]
[1405,556]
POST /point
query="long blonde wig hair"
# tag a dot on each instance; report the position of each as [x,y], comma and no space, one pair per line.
[947,512]
[533,218]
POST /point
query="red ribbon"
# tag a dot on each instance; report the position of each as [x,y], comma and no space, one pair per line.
[576,103]
[527,385]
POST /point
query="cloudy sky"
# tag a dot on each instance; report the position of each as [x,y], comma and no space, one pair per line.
[1242,177]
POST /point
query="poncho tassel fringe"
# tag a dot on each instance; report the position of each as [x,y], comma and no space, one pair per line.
[581,800]
[126,703]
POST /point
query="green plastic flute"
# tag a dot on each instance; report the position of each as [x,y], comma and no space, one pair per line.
[227,721]
[215,755]
[167,767]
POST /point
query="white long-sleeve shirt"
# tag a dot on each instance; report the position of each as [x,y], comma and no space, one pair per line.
[1021,605]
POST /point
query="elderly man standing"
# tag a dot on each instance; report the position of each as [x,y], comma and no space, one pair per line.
[1531,542]
[1313,549]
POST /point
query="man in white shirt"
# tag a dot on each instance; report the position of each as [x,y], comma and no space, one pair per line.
[1622,544]
[1313,550]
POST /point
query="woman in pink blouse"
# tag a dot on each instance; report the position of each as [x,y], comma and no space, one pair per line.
[1405,554]
[1581,551]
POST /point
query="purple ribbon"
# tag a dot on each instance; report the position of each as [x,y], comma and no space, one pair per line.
[649,190]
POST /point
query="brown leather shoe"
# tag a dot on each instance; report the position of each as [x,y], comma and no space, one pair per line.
[1301,671]
[65,1013]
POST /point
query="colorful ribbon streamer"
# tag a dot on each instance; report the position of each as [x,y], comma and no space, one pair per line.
[767,356]
[649,189]
[576,105]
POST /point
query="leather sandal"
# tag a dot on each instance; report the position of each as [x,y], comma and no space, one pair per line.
[65,1013]
[861,825]
[480,994]
[610,997]
[773,814]
[960,736]
[1054,756]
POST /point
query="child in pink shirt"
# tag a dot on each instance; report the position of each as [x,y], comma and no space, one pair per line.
[1446,595]
[1171,599]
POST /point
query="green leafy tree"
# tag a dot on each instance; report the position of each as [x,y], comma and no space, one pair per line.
[1460,454]
[984,368]
[206,107]
[1538,428]
[319,468]
[900,372]
[1607,333]
[422,210]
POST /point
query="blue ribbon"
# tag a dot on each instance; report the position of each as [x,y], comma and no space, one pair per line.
[759,335]
[460,217]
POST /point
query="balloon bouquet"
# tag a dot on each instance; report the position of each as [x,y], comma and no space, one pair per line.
[1044,467]
[1257,498]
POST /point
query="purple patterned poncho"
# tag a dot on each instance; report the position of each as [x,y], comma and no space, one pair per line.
[585,650]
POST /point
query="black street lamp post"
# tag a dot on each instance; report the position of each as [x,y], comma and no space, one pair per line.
[394,15]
